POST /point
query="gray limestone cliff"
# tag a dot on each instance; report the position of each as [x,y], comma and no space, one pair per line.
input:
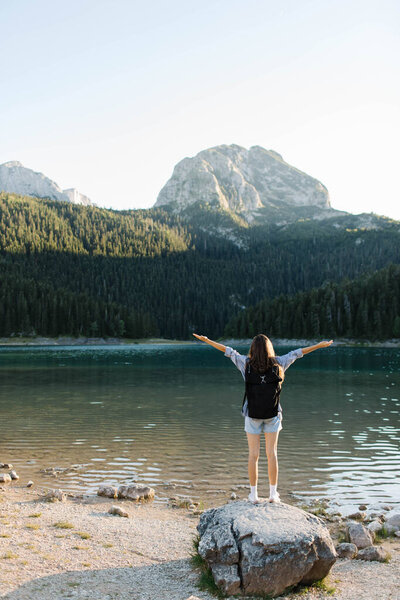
[17,179]
[244,181]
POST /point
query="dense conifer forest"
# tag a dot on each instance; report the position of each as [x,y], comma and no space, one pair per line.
[77,270]
[367,307]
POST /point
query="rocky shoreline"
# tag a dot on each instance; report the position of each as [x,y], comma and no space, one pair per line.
[57,545]
[93,341]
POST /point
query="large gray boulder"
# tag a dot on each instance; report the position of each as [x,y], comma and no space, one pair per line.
[265,548]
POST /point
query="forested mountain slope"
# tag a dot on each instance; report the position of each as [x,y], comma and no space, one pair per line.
[74,269]
[366,307]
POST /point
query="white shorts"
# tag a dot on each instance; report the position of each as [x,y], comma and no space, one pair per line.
[263,425]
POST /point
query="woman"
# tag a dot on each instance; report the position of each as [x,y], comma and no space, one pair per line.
[261,359]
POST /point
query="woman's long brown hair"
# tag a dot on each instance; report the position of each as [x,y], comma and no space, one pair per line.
[262,354]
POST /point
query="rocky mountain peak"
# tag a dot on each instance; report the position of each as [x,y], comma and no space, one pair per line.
[17,179]
[241,180]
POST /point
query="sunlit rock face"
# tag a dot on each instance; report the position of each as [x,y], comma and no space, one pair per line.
[241,180]
[17,179]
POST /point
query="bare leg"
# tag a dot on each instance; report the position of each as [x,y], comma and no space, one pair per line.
[271,448]
[253,440]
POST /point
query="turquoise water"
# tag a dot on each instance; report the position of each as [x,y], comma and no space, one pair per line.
[169,415]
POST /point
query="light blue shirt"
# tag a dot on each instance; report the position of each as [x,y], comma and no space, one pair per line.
[239,360]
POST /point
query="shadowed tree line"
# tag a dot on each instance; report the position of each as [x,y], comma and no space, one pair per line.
[367,307]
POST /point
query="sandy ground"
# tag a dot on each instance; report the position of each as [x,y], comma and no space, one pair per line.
[97,556]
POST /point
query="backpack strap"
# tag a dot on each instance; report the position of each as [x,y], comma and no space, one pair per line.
[247,366]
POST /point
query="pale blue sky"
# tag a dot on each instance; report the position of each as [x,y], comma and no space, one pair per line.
[107,96]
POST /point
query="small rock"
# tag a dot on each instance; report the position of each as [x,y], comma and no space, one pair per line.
[136,493]
[116,510]
[6,466]
[357,516]
[373,553]
[374,515]
[191,507]
[393,523]
[55,496]
[359,535]
[346,550]
[5,478]
[107,491]
[387,507]
[363,507]
[29,484]
[374,526]
[233,496]
[13,475]
[397,534]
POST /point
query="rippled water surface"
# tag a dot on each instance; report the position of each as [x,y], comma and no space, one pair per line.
[170,415]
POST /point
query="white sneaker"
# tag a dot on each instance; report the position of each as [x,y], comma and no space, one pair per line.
[275,498]
[255,500]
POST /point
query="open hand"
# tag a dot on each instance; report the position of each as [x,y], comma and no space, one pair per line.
[202,338]
[325,344]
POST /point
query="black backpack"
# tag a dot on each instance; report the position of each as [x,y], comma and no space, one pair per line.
[262,392]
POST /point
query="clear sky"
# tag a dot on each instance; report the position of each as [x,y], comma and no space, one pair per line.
[107,95]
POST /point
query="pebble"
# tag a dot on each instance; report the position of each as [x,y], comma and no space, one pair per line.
[6,466]
[397,534]
[29,484]
[117,510]
[362,507]
[13,475]
[233,496]
[5,478]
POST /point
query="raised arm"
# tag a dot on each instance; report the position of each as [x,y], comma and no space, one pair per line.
[204,338]
[316,347]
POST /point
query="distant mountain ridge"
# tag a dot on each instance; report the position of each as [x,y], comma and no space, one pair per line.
[17,179]
[254,183]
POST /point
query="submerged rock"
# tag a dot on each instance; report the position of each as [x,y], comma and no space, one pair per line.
[264,548]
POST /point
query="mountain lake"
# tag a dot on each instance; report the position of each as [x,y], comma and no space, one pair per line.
[169,415]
